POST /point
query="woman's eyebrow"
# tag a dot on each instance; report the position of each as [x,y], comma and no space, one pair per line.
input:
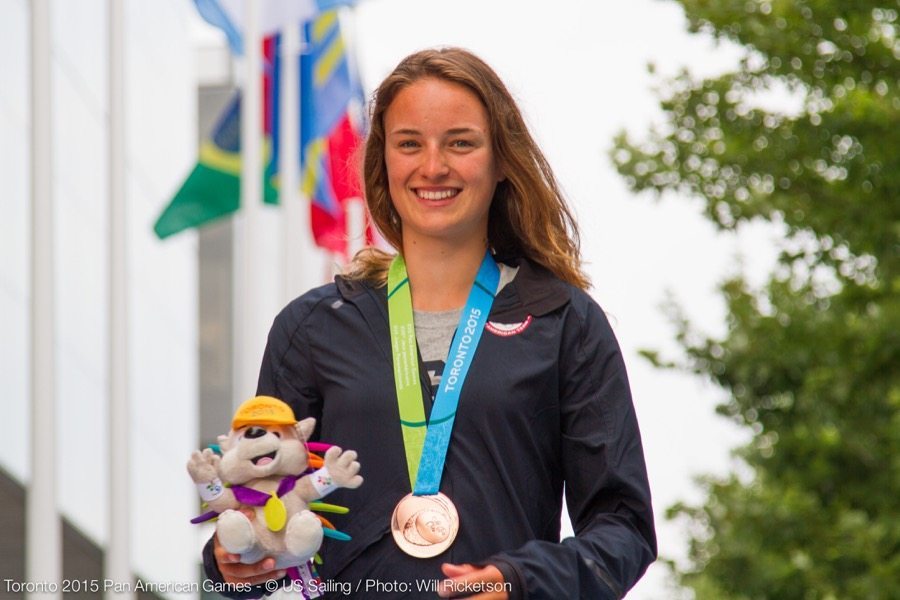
[456,130]
[405,131]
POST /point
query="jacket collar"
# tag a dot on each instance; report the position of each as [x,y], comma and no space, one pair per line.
[535,291]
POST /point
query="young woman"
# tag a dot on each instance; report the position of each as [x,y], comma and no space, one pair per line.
[471,372]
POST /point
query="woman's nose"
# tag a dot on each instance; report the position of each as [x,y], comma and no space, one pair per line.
[434,163]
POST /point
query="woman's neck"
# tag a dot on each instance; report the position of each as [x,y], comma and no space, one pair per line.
[441,274]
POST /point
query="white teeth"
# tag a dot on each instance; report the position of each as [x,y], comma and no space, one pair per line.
[439,195]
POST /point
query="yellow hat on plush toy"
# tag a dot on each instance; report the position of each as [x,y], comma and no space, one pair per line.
[263,410]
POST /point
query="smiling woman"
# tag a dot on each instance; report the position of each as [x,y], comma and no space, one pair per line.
[465,464]
[528,215]
[441,168]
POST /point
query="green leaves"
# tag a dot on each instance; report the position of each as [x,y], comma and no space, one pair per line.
[806,133]
[822,168]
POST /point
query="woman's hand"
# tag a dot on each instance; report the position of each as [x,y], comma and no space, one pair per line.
[475,583]
[234,571]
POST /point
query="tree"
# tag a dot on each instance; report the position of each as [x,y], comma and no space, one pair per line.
[811,361]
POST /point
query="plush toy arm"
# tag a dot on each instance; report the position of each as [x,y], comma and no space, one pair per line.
[341,470]
[343,467]
[224,502]
[203,469]
[204,466]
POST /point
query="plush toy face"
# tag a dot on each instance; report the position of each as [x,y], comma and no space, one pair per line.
[259,451]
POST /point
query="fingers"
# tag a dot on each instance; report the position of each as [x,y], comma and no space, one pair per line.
[476,583]
[457,570]
[348,464]
[343,466]
[201,467]
[210,456]
[197,459]
[350,469]
[234,571]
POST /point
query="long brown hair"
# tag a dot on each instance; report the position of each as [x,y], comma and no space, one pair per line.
[528,215]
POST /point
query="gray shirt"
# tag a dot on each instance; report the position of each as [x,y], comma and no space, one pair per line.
[434,330]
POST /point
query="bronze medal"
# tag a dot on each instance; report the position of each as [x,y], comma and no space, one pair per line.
[425,526]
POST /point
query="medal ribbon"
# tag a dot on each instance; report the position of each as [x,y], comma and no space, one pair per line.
[426,443]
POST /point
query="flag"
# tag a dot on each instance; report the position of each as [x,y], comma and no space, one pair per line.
[228,15]
[213,188]
[331,97]
[331,130]
[335,179]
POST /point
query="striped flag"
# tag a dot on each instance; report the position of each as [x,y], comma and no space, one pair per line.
[331,132]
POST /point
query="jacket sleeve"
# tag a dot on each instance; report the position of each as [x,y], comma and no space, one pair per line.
[287,371]
[607,492]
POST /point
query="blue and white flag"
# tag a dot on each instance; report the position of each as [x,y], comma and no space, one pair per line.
[228,15]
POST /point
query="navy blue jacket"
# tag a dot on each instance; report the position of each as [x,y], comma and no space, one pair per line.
[546,403]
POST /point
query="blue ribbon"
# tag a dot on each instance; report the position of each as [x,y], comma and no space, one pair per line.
[462,350]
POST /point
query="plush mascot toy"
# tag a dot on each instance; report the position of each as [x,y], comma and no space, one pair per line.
[264,471]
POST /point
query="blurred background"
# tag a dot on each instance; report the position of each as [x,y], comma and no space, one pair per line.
[734,170]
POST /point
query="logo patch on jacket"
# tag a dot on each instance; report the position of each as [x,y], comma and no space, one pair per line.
[508,329]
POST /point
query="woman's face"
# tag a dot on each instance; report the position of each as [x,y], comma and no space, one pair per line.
[440,165]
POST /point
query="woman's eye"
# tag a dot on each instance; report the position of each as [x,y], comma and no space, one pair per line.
[408,144]
[462,144]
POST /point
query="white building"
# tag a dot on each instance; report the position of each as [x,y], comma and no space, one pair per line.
[161,125]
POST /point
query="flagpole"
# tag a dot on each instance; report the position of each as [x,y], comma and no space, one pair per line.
[289,163]
[43,542]
[301,256]
[249,338]
[117,558]
[356,210]
[355,222]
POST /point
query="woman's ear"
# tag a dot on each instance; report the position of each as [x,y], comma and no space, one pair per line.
[501,170]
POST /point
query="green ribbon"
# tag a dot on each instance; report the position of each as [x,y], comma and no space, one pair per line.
[406,366]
